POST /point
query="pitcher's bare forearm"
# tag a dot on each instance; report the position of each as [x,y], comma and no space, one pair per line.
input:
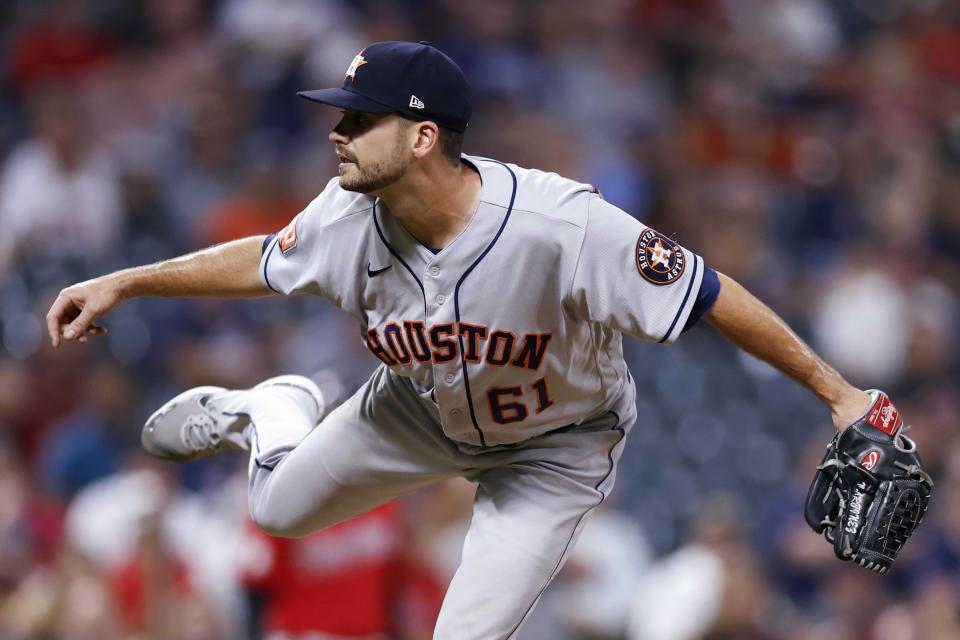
[756,329]
[229,270]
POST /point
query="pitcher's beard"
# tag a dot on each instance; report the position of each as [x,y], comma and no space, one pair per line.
[375,176]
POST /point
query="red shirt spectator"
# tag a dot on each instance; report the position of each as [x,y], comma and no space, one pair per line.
[351,580]
[61,45]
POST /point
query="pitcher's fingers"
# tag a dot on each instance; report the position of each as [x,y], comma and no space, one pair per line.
[92,330]
[54,316]
[80,324]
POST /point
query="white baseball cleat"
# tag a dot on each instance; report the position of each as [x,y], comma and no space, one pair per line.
[192,426]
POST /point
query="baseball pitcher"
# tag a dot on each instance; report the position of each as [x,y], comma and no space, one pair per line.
[496,298]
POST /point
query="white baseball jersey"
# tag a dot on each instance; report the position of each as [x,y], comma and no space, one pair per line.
[514,328]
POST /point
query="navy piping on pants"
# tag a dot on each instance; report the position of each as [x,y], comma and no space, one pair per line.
[566,547]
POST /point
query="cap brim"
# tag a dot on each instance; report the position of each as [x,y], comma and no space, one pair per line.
[344,99]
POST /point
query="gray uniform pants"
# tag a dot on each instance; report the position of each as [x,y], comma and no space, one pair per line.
[386,442]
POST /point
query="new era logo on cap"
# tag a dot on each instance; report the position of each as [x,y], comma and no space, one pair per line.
[410,78]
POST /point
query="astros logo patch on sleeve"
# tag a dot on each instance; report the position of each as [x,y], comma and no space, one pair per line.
[659,259]
[288,237]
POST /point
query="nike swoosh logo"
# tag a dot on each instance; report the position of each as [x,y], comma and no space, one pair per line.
[376,272]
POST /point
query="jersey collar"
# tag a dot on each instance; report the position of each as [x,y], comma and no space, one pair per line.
[495,199]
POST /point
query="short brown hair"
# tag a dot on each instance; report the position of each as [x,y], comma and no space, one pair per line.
[451,145]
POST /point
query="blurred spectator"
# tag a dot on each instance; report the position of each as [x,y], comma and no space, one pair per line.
[798,561]
[206,165]
[353,580]
[15,383]
[905,322]
[71,602]
[59,192]
[278,34]
[711,587]
[165,556]
[36,394]
[154,593]
[30,537]
[87,444]
[60,43]
[262,205]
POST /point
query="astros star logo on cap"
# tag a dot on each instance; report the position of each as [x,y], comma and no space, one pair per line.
[358,62]
[409,78]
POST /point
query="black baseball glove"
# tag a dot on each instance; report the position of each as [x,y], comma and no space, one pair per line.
[870,491]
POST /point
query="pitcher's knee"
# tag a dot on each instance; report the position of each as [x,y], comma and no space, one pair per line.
[275,522]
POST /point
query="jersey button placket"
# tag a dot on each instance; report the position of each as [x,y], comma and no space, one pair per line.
[435,289]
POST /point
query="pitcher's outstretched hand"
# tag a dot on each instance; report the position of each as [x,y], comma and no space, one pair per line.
[73,313]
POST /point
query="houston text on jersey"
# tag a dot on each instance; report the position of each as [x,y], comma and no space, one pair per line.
[442,343]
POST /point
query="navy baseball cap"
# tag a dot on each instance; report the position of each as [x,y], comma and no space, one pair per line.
[415,79]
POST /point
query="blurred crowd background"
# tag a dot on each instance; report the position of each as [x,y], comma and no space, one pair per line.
[808,148]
